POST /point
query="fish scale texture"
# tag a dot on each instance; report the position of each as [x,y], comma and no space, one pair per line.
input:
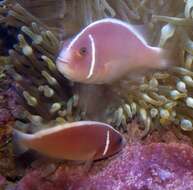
[157,166]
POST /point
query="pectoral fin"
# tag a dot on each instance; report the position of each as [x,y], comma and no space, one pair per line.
[88,164]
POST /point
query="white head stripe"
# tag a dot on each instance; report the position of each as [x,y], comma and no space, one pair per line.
[108,20]
[93,57]
[72,125]
[107,143]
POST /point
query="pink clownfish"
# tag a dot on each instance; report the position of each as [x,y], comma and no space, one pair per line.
[83,141]
[105,51]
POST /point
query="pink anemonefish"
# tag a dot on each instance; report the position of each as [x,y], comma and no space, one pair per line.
[105,51]
[83,140]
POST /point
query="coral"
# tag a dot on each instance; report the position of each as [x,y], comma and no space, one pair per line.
[153,166]
[7,109]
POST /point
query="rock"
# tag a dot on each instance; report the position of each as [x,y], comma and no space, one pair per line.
[7,107]
[157,166]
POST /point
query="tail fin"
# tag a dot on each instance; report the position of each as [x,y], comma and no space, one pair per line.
[168,57]
[171,57]
[159,58]
[19,142]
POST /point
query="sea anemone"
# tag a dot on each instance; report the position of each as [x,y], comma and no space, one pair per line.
[37,79]
[159,99]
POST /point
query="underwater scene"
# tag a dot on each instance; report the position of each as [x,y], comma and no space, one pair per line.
[96,95]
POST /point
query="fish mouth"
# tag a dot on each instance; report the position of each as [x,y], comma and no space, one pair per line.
[59,59]
[63,68]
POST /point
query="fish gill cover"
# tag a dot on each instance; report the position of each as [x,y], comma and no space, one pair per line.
[30,40]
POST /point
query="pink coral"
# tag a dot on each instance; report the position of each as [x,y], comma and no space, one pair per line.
[156,166]
[2,180]
[9,106]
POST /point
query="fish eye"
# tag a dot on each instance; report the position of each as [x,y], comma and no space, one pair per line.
[120,140]
[83,51]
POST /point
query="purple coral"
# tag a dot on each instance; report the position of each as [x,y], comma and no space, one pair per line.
[156,166]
